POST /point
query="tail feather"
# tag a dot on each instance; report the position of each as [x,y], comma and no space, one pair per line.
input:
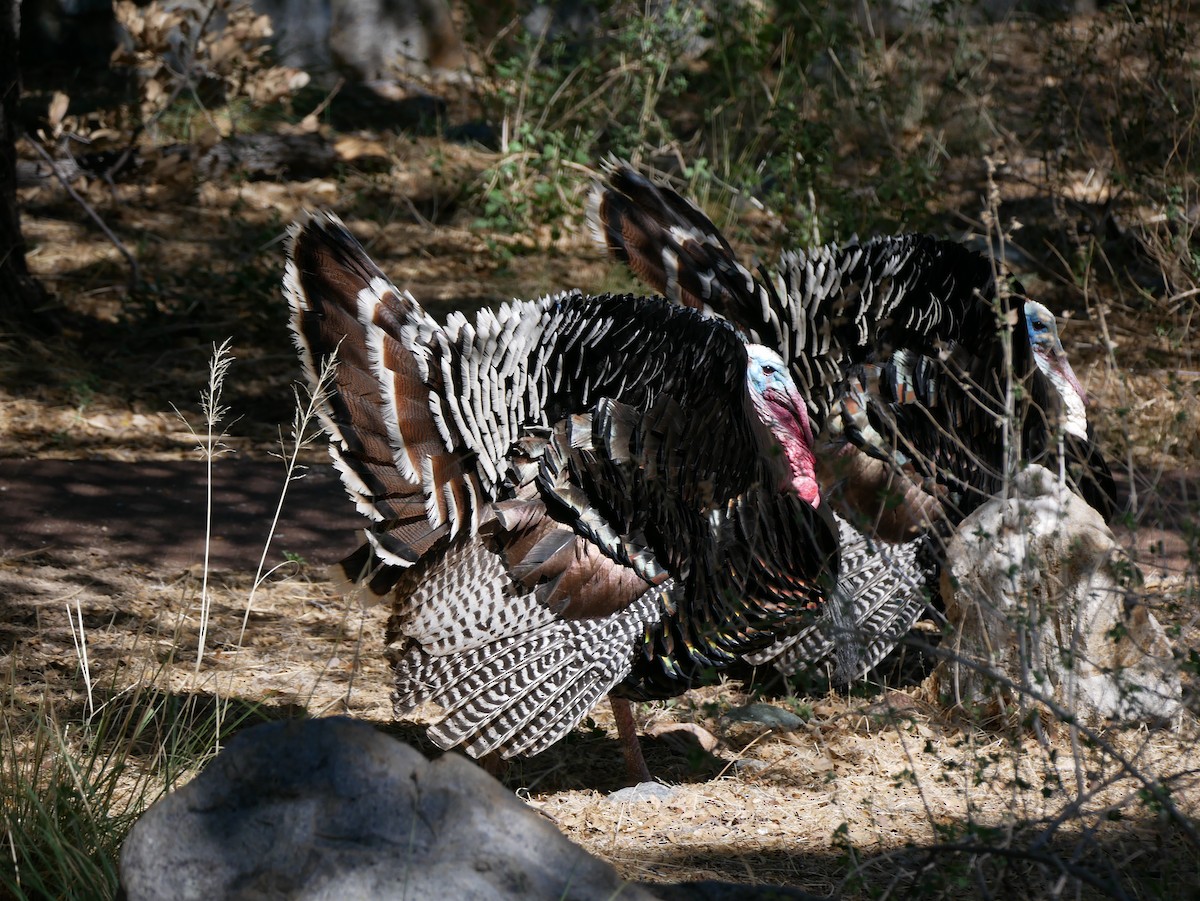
[377,406]
[881,593]
[329,280]
[666,241]
[548,711]
[463,601]
[363,574]
[554,721]
[493,714]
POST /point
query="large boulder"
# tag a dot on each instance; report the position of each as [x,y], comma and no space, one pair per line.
[1039,594]
[318,809]
[333,809]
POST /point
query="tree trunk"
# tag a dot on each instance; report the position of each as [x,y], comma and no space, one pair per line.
[21,296]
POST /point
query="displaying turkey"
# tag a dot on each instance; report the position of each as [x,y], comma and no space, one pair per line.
[569,497]
[900,347]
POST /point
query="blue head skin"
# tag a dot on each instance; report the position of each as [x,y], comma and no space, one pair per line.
[1043,329]
[782,412]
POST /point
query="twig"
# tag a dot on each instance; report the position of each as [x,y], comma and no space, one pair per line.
[1153,787]
[211,445]
[301,419]
[333,92]
[134,275]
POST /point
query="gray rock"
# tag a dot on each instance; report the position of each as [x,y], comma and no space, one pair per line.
[382,39]
[744,726]
[366,40]
[1038,591]
[369,40]
[707,890]
[775,718]
[643,791]
[300,32]
[333,809]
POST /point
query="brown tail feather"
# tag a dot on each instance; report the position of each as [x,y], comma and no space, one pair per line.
[666,241]
[330,283]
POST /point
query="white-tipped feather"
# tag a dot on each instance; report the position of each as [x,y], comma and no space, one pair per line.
[880,595]
[384,554]
[522,695]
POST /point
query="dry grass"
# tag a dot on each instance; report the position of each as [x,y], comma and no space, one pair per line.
[864,781]
[880,794]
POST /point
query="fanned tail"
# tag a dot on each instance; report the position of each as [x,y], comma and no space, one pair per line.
[508,675]
[666,241]
[367,350]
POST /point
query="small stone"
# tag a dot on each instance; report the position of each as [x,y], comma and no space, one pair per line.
[750,765]
[642,792]
[775,718]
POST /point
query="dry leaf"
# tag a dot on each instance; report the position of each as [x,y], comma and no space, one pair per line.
[58,108]
[705,739]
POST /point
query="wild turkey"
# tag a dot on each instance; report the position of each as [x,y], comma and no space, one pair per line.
[569,497]
[897,345]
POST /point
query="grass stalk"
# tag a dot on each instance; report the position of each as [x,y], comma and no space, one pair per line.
[211,445]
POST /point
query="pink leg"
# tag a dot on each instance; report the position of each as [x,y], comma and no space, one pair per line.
[635,763]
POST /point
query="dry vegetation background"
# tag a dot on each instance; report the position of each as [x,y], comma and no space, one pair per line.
[468,193]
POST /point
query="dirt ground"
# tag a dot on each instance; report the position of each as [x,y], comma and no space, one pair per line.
[880,793]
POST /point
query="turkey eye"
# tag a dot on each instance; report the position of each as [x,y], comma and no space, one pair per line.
[769,370]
